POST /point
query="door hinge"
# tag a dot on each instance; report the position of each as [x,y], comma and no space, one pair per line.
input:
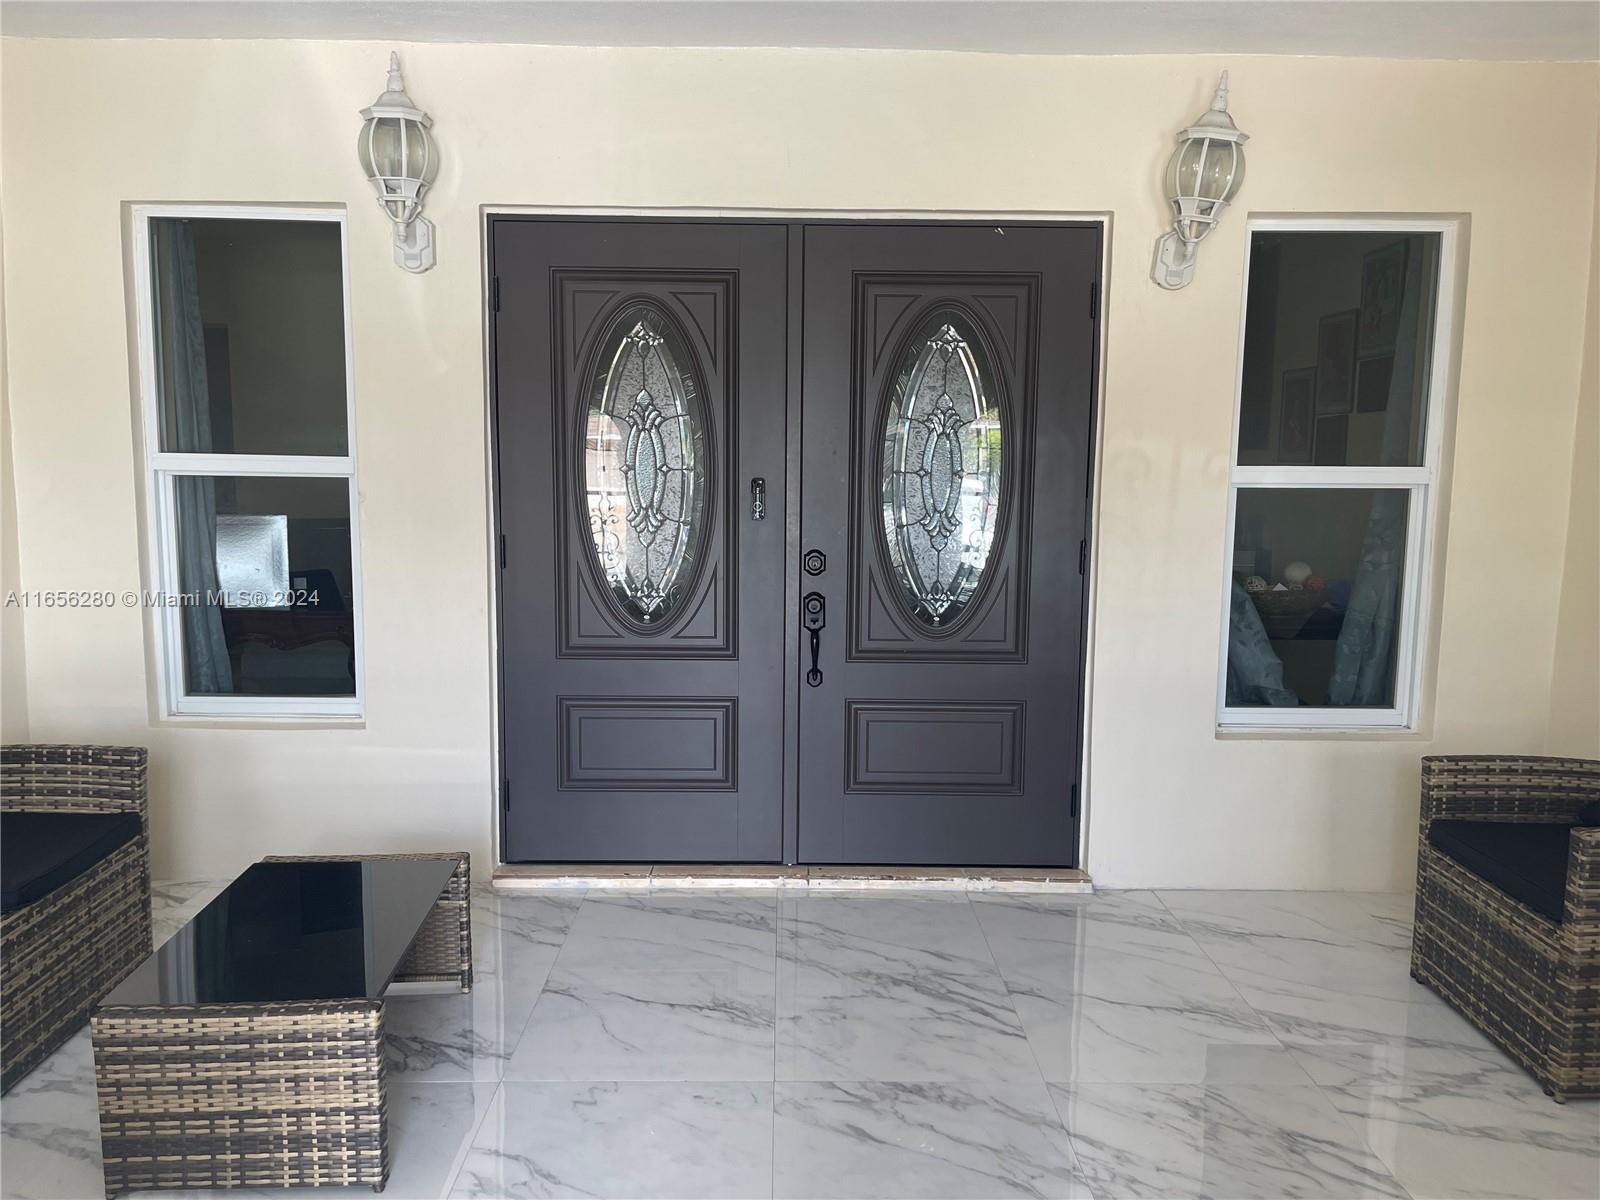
[1094,300]
[1083,556]
[505,795]
[494,288]
[502,552]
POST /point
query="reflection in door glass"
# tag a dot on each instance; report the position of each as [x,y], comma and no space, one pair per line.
[940,472]
[644,463]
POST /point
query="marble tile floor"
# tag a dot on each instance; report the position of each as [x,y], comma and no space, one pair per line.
[796,1043]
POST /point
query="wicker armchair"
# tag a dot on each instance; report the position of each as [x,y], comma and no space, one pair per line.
[1530,983]
[62,953]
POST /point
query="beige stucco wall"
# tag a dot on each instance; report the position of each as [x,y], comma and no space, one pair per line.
[89,126]
[1575,684]
[13,645]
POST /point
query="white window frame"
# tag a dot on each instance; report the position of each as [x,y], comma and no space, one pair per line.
[1422,483]
[162,468]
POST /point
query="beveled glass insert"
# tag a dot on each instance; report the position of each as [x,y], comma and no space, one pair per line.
[294,931]
[941,462]
[644,463]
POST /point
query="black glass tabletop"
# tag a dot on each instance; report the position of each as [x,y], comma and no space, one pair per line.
[294,931]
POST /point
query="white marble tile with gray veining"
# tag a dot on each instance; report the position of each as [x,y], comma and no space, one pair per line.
[1478,1140]
[1379,920]
[672,929]
[516,940]
[1028,927]
[1227,1142]
[650,1024]
[1423,1064]
[936,1140]
[437,1035]
[1319,966]
[884,988]
[50,1129]
[1126,996]
[623,1140]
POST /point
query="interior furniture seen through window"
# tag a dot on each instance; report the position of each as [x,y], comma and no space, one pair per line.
[250,473]
[1334,474]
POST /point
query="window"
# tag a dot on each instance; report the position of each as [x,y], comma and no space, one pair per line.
[250,472]
[1334,474]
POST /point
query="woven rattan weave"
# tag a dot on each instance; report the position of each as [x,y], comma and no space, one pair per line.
[1530,983]
[283,1094]
[63,952]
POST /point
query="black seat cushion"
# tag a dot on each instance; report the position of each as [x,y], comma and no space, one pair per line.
[41,851]
[1525,860]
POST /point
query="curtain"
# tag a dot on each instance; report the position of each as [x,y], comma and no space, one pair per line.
[1363,656]
[1255,672]
[186,427]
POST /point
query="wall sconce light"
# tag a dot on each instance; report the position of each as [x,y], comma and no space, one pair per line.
[1203,175]
[401,161]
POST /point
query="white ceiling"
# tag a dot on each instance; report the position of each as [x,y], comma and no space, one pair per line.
[1518,30]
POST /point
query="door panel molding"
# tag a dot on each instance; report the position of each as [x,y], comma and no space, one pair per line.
[661,744]
[946,748]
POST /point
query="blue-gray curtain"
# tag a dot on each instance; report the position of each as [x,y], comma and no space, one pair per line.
[1362,658]
[186,427]
[1255,672]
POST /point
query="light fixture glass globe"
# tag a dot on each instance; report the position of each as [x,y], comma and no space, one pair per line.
[399,158]
[1203,175]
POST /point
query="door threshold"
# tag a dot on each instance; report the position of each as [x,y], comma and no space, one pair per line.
[555,876]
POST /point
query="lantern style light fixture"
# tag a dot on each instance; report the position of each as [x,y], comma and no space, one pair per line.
[1203,175]
[401,161]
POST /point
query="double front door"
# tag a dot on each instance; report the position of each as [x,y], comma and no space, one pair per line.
[792,523]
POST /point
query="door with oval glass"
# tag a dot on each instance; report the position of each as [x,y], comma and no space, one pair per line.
[663,594]
[948,397]
[639,385]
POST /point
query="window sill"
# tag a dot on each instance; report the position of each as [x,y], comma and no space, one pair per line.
[263,720]
[1319,733]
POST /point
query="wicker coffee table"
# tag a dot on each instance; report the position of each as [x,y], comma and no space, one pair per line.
[248,1051]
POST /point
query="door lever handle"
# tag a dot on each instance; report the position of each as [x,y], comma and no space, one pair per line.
[813,619]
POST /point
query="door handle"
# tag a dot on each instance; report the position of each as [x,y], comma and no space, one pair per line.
[813,619]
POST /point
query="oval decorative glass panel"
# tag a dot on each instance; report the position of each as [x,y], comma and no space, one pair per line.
[644,463]
[940,476]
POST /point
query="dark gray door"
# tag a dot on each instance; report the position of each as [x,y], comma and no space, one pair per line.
[926,392]
[948,376]
[639,385]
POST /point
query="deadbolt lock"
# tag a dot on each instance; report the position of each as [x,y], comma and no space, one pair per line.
[815,562]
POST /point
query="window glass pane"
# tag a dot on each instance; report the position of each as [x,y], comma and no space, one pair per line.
[249,335]
[1315,612]
[264,567]
[1338,328]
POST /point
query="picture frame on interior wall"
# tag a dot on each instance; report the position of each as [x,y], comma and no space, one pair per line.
[1336,362]
[1383,276]
[1294,415]
[163,470]
[1422,484]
